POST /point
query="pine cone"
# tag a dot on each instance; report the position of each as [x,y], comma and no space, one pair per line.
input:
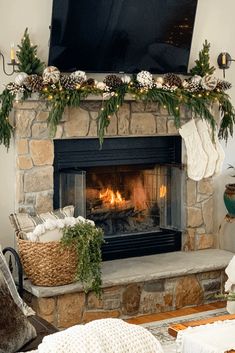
[191,86]
[90,82]
[34,83]
[14,88]
[172,80]
[223,85]
[68,82]
[113,81]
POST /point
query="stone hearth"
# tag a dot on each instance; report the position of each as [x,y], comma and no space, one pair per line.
[136,286]
[35,154]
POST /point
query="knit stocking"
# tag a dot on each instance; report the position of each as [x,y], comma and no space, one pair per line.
[208,147]
[196,157]
[221,155]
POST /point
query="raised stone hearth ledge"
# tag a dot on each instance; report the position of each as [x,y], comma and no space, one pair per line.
[136,286]
[35,155]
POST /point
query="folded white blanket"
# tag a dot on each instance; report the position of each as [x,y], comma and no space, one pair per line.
[102,336]
[218,337]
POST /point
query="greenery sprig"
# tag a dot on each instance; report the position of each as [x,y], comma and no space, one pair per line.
[110,107]
[228,116]
[6,129]
[87,240]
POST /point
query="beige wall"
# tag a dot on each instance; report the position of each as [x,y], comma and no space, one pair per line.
[215,22]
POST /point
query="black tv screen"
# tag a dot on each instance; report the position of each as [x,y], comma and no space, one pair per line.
[122,35]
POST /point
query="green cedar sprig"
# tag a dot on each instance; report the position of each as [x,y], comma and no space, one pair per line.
[27,57]
[168,100]
[200,106]
[228,116]
[87,240]
[6,129]
[202,64]
[110,107]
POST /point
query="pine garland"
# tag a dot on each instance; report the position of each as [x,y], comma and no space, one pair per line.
[6,129]
[142,87]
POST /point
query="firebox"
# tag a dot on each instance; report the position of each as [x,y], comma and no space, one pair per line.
[132,188]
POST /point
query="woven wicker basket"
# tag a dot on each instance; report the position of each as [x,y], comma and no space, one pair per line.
[47,264]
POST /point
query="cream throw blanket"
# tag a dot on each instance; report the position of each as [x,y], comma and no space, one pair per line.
[102,336]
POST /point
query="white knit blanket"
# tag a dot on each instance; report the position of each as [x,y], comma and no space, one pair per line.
[218,337]
[102,336]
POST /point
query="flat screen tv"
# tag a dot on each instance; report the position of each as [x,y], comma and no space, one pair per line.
[122,35]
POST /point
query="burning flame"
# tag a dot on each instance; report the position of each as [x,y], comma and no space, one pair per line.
[162,191]
[111,197]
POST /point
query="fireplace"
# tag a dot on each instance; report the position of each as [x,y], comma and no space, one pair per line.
[132,189]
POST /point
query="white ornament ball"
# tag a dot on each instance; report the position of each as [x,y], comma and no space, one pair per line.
[102,86]
[126,79]
[160,80]
[145,79]
[209,82]
[51,75]
[79,76]
[196,79]
[19,79]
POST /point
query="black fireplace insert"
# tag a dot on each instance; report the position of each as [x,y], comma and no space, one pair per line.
[131,188]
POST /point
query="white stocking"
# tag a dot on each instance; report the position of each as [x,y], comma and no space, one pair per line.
[196,157]
[221,154]
[208,147]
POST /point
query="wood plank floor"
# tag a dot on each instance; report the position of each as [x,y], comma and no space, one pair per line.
[176,313]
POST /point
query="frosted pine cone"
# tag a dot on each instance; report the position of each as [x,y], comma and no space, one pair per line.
[223,85]
[68,82]
[34,83]
[14,88]
[172,80]
[113,81]
[191,86]
[79,76]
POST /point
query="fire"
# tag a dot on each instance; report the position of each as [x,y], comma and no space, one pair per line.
[112,198]
[162,191]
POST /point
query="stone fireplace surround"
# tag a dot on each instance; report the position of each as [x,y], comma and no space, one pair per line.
[34,190]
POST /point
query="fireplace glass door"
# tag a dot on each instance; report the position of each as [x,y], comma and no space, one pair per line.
[125,200]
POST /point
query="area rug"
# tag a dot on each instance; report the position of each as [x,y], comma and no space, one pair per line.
[160,328]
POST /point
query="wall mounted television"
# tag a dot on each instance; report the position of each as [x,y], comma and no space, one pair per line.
[122,35]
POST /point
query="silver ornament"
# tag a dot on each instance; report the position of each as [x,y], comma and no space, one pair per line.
[209,82]
[51,75]
[145,79]
[102,86]
[19,79]
[79,76]
[196,79]
[160,80]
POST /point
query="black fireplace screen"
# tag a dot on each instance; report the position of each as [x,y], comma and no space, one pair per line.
[125,199]
[132,189]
